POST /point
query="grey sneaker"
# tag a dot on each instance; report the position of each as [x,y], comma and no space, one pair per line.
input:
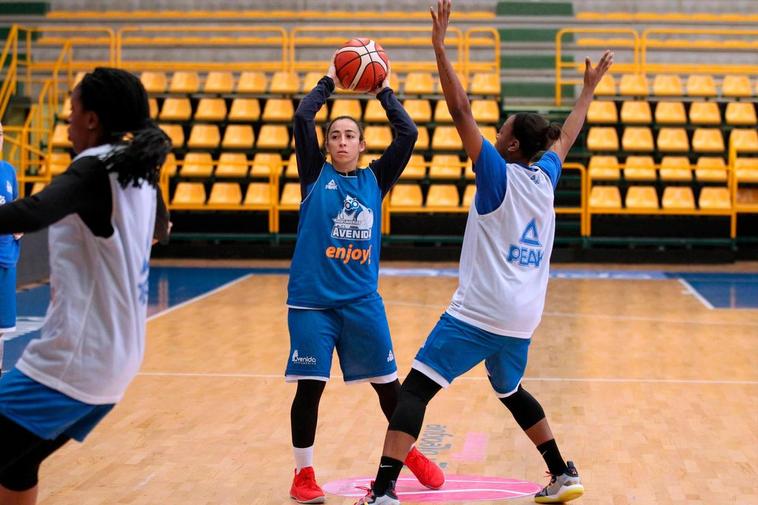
[562,488]
[388,498]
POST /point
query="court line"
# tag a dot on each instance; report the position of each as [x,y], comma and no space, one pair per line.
[199,297]
[530,379]
[694,292]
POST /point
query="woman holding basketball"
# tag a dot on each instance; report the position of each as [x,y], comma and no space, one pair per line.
[332,294]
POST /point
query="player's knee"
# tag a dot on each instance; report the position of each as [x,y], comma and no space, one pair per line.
[415,394]
[526,410]
[308,393]
[20,477]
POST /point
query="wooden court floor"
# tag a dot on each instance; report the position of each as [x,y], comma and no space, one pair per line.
[650,393]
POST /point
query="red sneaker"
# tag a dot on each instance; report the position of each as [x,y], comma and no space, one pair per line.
[427,472]
[304,488]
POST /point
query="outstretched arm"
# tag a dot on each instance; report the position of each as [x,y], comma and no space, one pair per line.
[573,124]
[455,95]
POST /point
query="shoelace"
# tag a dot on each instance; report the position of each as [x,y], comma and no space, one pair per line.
[553,478]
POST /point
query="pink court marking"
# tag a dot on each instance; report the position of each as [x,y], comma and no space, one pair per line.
[474,448]
[457,488]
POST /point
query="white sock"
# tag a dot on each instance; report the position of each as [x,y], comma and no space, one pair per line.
[303,457]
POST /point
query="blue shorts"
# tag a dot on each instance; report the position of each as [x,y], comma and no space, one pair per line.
[46,412]
[7,299]
[454,347]
[358,330]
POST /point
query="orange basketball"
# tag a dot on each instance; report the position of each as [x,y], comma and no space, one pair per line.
[361,65]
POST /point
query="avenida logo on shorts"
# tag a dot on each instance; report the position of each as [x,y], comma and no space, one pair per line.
[302,360]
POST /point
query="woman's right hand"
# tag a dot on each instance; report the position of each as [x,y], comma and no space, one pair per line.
[332,72]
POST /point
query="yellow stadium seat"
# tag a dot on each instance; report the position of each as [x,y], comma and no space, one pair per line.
[601,138]
[701,85]
[667,85]
[604,168]
[169,165]
[710,169]
[746,169]
[197,165]
[375,112]
[605,197]
[636,112]
[744,139]
[321,115]
[285,82]
[310,80]
[204,136]
[422,143]
[446,138]
[419,83]
[175,132]
[675,168]
[225,193]
[219,82]
[153,105]
[406,195]
[238,136]
[291,171]
[736,86]
[602,112]
[639,168]
[445,166]
[366,159]
[175,109]
[740,114]
[273,137]
[232,165]
[489,133]
[606,86]
[290,196]
[37,187]
[714,198]
[252,82]
[678,197]
[441,113]
[671,140]
[705,113]
[633,85]
[637,138]
[184,82]
[65,111]
[319,137]
[59,162]
[468,196]
[189,193]
[60,136]
[345,107]
[378,138]
[708,140]
[420,111]
[468,172]
[266,164]
[670,113]
[258,194]
[442,195]
[211,109]
[415,169]
[245,109]
[485,84]
[641,197]
[277,110]
[154,82]
[485,111]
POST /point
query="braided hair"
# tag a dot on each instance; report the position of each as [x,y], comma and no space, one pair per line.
[120,101]
[534,133]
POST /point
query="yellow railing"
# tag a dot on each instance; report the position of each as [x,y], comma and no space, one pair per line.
[481,37]
[668,17]
[9,60]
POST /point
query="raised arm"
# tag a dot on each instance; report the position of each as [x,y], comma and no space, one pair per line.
[455,96]
[308,152]
[573,124]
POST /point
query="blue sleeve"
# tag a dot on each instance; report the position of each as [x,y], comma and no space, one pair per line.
[550,163]
[491,179]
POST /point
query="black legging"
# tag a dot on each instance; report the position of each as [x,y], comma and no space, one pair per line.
[21,455]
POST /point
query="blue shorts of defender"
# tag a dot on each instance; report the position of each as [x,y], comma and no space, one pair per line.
[7,299]
[454,347]
[46,412]
[358,330]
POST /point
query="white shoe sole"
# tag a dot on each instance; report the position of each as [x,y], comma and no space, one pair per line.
[566,493]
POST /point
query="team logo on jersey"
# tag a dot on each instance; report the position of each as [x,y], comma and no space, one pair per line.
[529,253]
[331,185]
[302,360]
[354,221]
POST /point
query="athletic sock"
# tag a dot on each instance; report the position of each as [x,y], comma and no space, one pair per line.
[552,456]
[389,470]
[303,457]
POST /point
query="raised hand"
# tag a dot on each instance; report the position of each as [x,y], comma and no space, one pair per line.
[440,20]
[332,71]
[592,75]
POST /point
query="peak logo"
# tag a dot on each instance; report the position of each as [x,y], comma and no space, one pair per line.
[302,360]
[530,256]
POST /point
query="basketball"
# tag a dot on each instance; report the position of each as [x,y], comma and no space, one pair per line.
[361,65]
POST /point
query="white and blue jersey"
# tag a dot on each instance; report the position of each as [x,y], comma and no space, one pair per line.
[9,247]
